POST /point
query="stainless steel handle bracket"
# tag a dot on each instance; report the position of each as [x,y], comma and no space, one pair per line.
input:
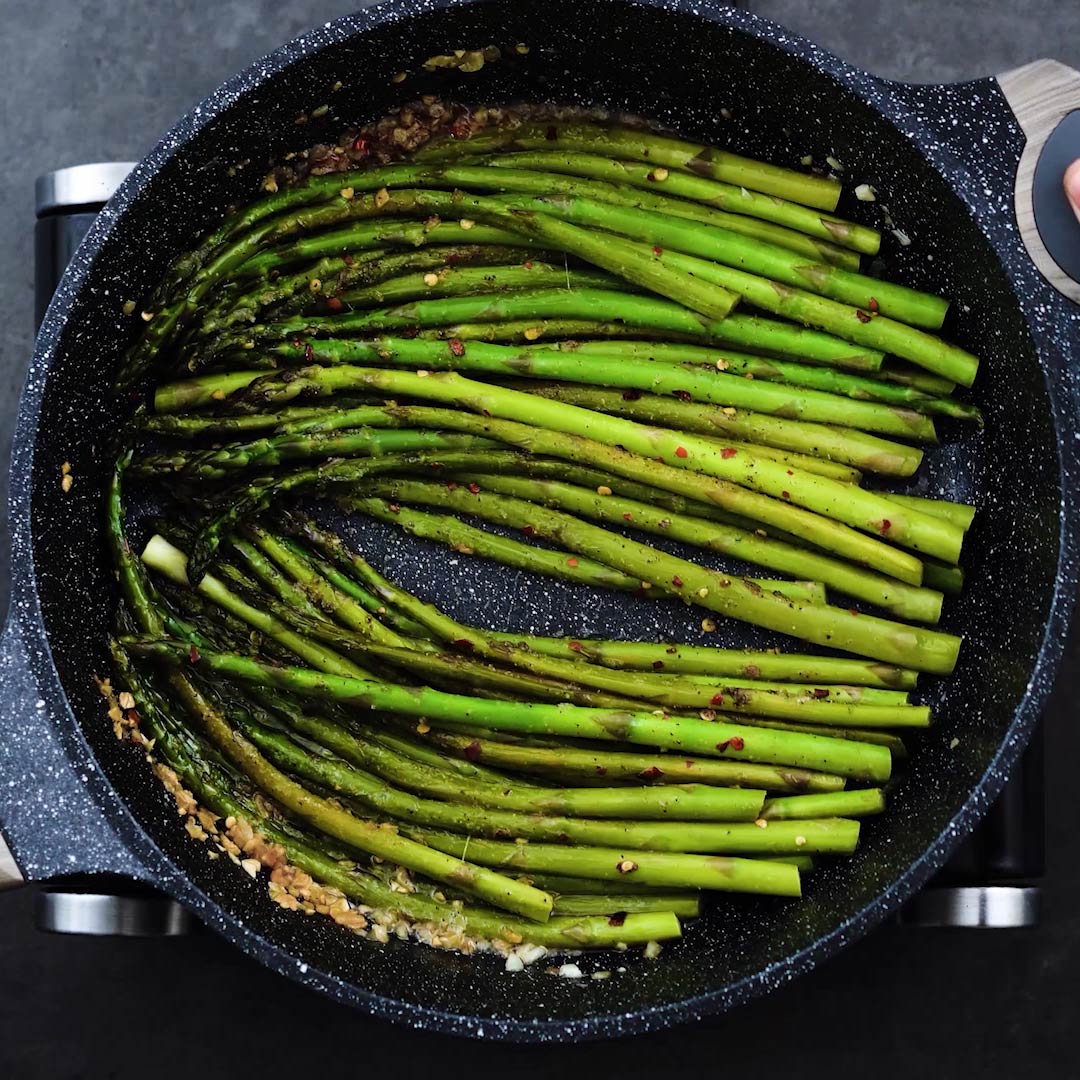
[983,907]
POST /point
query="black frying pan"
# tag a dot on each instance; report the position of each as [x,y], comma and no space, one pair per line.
[944,159]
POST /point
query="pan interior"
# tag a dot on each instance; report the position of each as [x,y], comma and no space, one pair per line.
[708,81]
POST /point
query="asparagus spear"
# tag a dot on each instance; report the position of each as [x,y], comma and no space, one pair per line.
[217,789]
[489,280]
[741,837]
[755,256]
[828,498]
[827,534]
[654,768]
[904,601]
[735,199]
[658,868]
[642,145]
[678,802]
[854,803]
[829,380]
[650,313]
[705,737]
[685,905]
[469,540]
[867,452]
[622,371]
[706,660]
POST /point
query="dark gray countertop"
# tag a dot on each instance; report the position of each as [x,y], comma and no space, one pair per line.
[85,82]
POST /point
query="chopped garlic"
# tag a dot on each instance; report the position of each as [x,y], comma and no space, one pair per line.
[865,193]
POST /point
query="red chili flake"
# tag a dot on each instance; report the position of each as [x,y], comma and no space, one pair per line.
[657,250]
[334,304]
[631,395]
[886,525]
[657,665]
[563,838]
[551,134]
[528,530]
[576,646]
[464,643]
[786,494]
[528,264]
[873,305]
[617,919]
[348,260]
[457,346]
[790,473]
[571,561]
[628,516]
[752,671]
[474,488]
[682,395]
[451,484]
[601,770]
[736,742]
[297,343]
[360,146]
[194,655]
[393,508]
[680,451]
[728,452]
[309,352]
[651,773]
[473,751]
[852,611]
[722,746]
[717,699]
[861,315]
[677,581]
[820,692]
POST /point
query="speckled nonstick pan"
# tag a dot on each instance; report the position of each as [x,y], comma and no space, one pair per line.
[945,161]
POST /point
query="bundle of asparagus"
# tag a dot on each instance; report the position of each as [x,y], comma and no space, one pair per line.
[540,345]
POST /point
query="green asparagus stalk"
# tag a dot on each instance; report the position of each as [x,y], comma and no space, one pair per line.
[736,663]
[829,380]
[662,869]
[854,803]
[217,791]
[642,145]
[867,452]
[170,561]
[364,835]
[735,199]
[488,280]
[610,766]
[704,737]
[904,601]
[625,372]
[469,540]
[678,802]
[685,905]
[714,837]
[551,437]
[960,514]
[480,175]
[650,313]
[859,323]
[266,453]
[754,256]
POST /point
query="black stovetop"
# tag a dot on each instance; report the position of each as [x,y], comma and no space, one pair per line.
[904,1002]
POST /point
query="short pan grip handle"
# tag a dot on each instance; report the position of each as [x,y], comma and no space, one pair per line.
[1045,99]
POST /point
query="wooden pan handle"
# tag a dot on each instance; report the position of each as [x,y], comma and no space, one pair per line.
[1045,99]
[10,874]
